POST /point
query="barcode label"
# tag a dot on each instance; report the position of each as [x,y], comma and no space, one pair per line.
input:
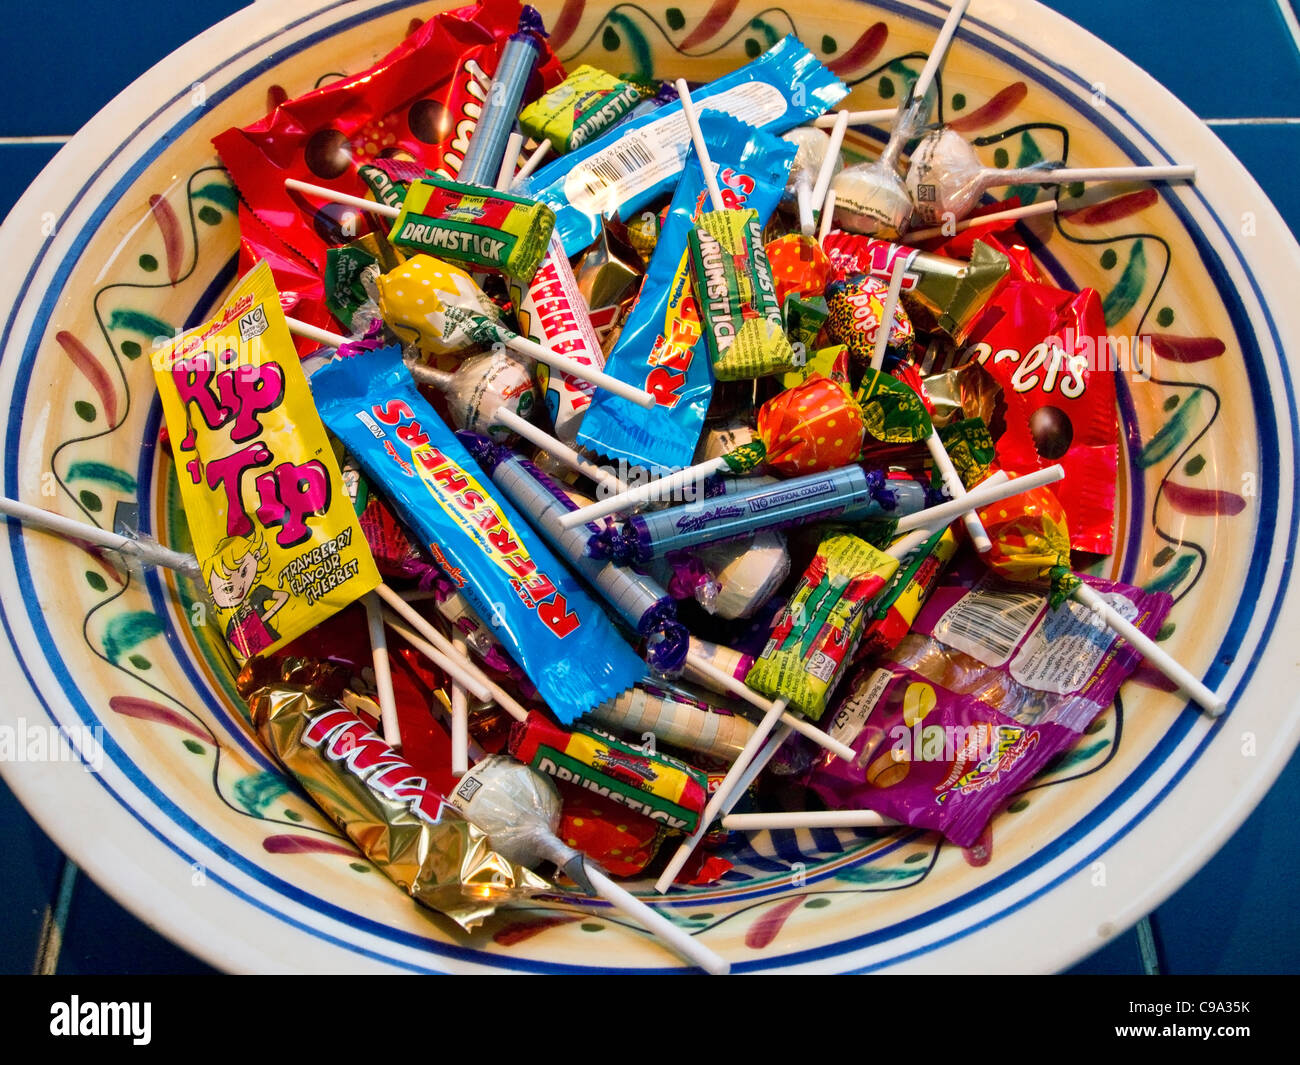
[990,620]
[654,153]
[612,167]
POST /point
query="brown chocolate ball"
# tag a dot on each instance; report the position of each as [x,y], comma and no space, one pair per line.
[430,122]
[328,153]
[1052,431]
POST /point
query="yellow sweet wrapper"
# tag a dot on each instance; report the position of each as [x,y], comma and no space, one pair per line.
[433,304]
[276,536]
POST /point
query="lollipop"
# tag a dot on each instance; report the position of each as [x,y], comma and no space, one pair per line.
[945,178]
[468,313]
[1031,544]
[871,197]
[812,149]
[519,810]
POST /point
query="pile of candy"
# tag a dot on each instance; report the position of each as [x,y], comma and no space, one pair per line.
[644,459]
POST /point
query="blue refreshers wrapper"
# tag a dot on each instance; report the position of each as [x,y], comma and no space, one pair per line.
[538,610]
[661,348]
[629,167]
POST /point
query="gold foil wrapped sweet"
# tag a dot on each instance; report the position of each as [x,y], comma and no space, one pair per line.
[386,807]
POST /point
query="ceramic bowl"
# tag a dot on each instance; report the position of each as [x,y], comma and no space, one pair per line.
[188,823]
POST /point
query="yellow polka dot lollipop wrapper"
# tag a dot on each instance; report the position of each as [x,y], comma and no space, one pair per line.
[428,302]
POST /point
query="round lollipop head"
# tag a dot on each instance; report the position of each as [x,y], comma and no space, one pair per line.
[870,198]
[945,177]
[810,152]
[483,384]
[1031,541]
[433,304]
[519,810]
[812,427]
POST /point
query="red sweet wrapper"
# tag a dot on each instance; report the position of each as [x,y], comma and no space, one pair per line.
[621,841]
[1050,352]
[799,266]
[302,293]
[420,103]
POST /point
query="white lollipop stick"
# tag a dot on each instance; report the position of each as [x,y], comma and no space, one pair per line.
[334,196]
[656,923]
[557,450]
[564,364]
[496,693]
[887,314]
[1029,210]
[505,176]
[458,666]
[642,493]
[314,332]
[717,801]
[459,717]
[721,679]
[533,434]
[383,674]
[856,118]
[939,50]
[990,491]
[807,819]
[823,182]
[149,553]
[742,772]
[803,197]
[828,215]
[957,490]
[1066,175]
[1212,702]
[701,149]
[531,164]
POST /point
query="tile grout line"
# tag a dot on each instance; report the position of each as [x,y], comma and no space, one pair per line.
[1292,23]
[1251,121]
[55,920]
[60,138]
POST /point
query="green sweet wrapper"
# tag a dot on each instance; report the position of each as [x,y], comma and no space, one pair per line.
[736,297]
[815,635]
[476,228]
[970,446]
[583,105]
[891,412]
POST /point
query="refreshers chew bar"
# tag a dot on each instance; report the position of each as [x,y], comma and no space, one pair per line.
[546,621]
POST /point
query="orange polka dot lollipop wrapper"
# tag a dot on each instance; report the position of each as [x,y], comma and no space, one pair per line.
[799,266]
[812,427]
[1031,540]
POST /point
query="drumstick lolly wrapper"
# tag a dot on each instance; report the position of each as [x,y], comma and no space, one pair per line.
[733,279]
[275,534]
[549,624]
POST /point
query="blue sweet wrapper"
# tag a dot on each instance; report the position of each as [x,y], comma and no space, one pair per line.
[540,613]
[661,348]
[641,159]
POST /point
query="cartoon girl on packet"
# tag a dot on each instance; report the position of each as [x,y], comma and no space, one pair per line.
[231,575]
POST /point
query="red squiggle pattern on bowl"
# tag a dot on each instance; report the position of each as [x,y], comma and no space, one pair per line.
[862,51]
[1188,500]
[148,710]
[995,110]
[93,370]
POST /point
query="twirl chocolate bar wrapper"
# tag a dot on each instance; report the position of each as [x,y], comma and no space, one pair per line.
[387,808]
[275,534]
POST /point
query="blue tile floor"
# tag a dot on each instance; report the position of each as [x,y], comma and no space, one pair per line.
[57,920]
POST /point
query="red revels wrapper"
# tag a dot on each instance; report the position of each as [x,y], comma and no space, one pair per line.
[656,786]
[1050,352]
[420,102]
